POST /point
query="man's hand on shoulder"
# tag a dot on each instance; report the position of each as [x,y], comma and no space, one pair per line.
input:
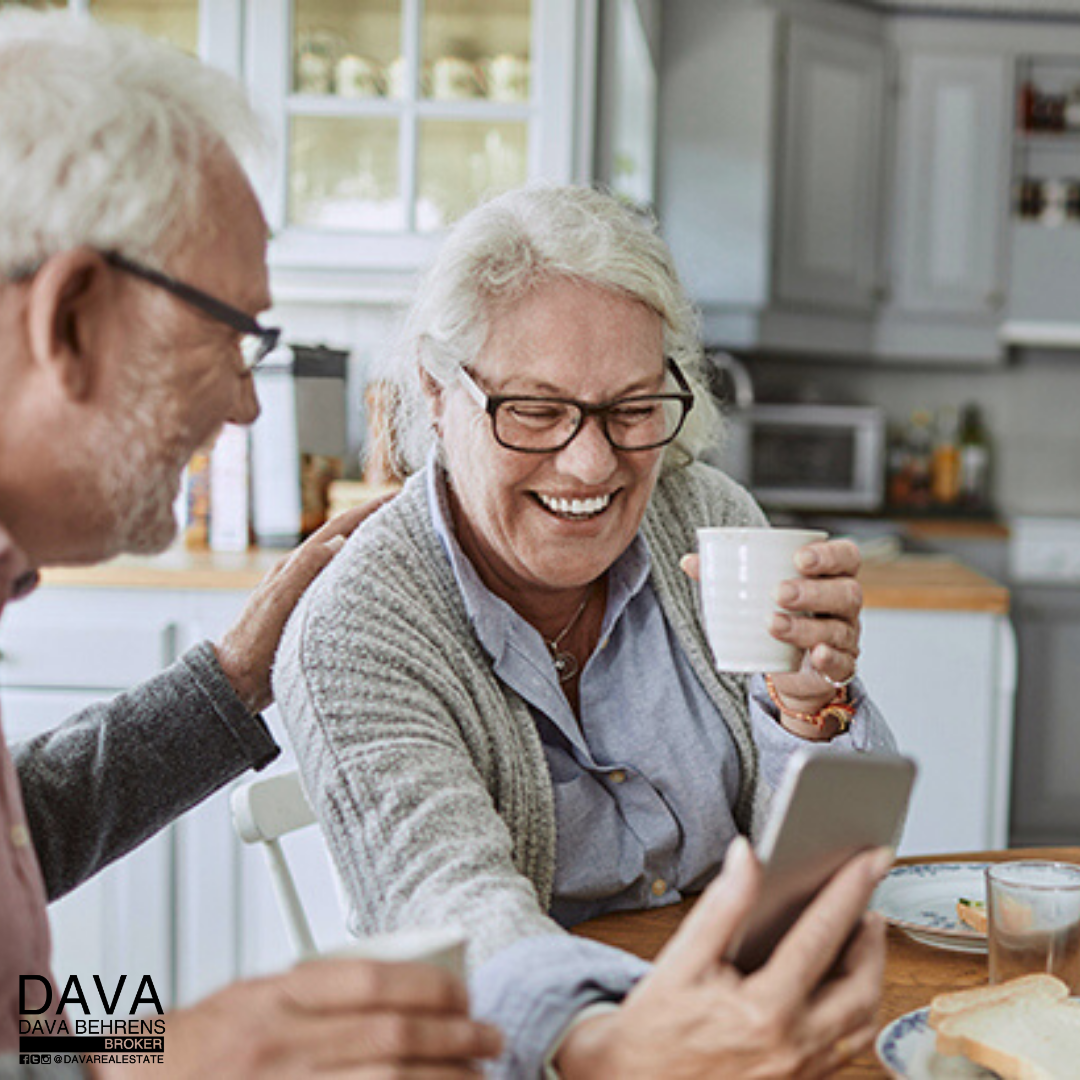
[246,651]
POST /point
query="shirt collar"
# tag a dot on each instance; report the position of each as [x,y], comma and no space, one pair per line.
[492,616]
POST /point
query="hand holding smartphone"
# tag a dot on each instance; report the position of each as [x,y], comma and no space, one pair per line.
[828,808]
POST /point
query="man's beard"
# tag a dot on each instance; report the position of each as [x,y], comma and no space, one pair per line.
[141,452]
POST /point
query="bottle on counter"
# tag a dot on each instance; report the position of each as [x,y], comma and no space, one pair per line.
[230,504]
[974,460]
[897,469]
[197,498]
[945,461]
[920,444]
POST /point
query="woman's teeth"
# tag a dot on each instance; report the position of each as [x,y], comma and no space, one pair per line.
[576,507]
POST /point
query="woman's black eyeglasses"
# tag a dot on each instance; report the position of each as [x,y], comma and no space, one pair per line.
[542,425]
[256,341]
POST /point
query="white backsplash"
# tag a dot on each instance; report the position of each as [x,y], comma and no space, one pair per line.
[1029,407]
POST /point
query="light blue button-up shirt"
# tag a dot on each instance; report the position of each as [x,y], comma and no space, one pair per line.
[644,785]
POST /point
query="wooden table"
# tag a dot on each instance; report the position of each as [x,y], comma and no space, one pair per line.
[914,973]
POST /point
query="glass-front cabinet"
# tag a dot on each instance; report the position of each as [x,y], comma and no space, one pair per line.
[389,119]
[392,118]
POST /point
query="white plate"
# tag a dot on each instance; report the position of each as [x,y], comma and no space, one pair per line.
[906,1049]
[921,899]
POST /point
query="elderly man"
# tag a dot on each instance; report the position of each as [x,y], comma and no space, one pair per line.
[132,266]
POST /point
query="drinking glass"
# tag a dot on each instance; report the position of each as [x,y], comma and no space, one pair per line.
[1033,910]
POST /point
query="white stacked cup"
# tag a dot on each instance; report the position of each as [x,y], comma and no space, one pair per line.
[741,570]
[444,948]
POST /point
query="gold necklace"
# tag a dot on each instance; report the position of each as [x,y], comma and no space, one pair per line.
[566,664]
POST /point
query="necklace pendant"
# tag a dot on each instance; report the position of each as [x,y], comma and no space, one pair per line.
[566,665]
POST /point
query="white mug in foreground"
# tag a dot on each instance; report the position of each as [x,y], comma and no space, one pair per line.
[741,570]
[443,948]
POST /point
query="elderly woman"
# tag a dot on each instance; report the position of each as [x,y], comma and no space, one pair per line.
[501,696]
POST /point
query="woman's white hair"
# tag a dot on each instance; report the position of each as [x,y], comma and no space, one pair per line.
[104,135]
[512,245]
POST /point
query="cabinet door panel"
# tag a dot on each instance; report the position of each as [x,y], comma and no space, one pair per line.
[91,655]
[944,681]
[1046,803]
[830,170]
[952,183]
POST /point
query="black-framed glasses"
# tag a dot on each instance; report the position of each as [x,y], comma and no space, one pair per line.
[256,341]
[543,425]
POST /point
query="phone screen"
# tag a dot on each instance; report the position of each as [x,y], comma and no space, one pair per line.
[828,808]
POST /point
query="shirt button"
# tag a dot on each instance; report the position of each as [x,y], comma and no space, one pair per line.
[20,835]
[617,777]
[659,887]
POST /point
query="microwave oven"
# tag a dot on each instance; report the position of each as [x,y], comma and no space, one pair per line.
[808,457]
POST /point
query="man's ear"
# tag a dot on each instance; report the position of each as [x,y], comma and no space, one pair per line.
[66,305]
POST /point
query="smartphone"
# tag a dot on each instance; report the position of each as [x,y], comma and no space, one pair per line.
[829,807]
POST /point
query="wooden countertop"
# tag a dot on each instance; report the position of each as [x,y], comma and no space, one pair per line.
[177,568]
[920,582]
[932,583]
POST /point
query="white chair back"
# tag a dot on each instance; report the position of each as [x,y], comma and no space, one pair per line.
[263,811]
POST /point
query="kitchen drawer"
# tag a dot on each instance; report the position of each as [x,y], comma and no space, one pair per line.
[26,713]
[83,655]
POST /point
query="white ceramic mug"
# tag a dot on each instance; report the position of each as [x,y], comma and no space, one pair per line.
[358,77]
[741,569]
[397,78]
[507,77]
[444,948]
[314,72]
[453,79]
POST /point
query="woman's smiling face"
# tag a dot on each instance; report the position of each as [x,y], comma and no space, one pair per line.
[547,522]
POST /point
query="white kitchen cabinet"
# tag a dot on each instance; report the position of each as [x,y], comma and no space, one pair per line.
[953,183]
[770,157]
[951,207]
[57,657]
[946,682]
[828,220]
[188,907]
[391,120]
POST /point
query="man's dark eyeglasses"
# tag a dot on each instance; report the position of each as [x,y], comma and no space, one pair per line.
[543,425]
[256,341]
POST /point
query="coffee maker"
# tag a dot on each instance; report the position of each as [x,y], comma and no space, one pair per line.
[299,442]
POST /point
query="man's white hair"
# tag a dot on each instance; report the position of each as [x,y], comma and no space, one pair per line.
[104,135]
[512,245]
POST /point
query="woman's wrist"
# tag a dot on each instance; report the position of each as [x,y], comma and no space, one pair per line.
[830,718]
[587,1052]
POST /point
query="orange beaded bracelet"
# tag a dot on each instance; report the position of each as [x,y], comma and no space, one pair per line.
[839,709]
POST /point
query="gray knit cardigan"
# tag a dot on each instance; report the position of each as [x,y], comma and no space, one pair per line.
[426,772]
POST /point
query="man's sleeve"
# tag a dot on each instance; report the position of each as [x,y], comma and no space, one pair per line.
[114,774]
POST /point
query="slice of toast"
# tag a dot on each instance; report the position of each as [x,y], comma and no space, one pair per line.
[972,913]
[1026,1029]
[1031,987]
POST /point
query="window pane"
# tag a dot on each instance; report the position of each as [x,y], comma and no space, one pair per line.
[461,162]
[347,47]
[476,49]
[174,21]
[343,174]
